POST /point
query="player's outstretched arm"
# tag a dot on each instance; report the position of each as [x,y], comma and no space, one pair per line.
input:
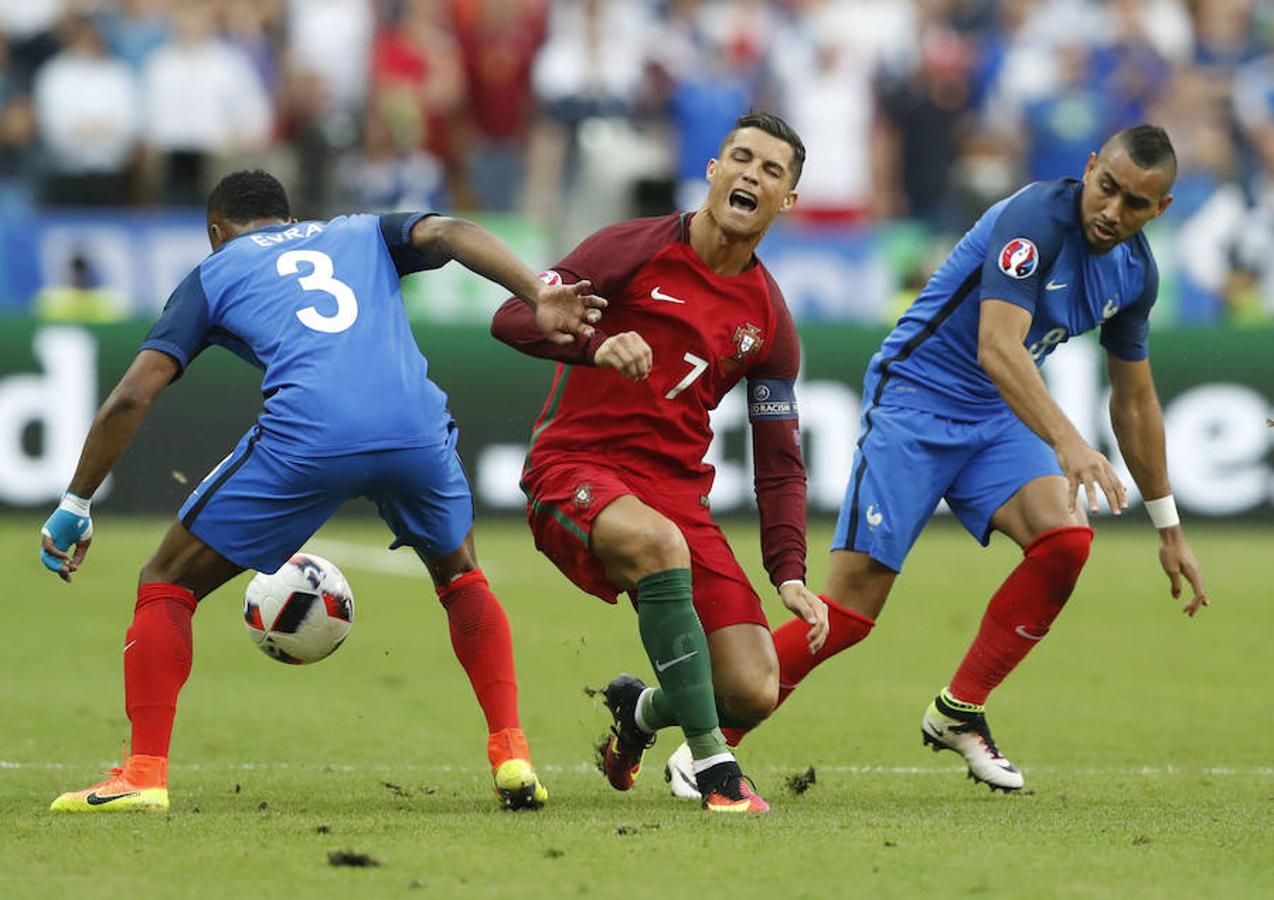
[112,431]
[563,312]
[1002,354]
[1137,420]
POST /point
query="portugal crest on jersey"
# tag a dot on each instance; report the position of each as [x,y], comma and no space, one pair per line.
[1019,258]
[747,340]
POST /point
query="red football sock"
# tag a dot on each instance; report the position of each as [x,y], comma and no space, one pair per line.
[480,636]
[158,650]
[845,629]
[1022,610]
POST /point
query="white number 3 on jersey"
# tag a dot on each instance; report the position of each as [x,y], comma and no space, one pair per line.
[320,278]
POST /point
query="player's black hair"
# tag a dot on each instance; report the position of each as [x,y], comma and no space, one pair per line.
[247,196]
[775,127]
[1148,146]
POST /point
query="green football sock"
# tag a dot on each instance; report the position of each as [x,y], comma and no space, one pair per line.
[656,711]
[678,649]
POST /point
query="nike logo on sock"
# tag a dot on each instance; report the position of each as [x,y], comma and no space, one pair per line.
[662,666]
[1026,634]
[129,644]
[96,799]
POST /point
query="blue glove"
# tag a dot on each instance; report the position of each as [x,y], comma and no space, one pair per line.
[69,524]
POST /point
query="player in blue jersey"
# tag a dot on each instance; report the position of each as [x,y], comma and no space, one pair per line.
[349,411]
[954,408]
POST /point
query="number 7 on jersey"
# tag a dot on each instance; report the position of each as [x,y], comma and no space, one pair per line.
[697,367]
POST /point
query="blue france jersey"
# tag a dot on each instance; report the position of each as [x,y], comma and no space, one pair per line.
[317,306]
[1030,250]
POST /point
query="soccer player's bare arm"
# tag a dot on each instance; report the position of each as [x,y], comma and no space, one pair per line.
[119,417]
[1002,354]
[1137,420]
[113,429]
[563,313]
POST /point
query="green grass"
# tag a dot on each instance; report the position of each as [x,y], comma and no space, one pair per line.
[1144,736]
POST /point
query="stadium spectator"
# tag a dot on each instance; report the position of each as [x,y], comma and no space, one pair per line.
[392,171]
[332,39]
[203,99]
[88,112]
[136,29]
[417,81]
[17,134]
[1062,128]
[498,41]
[925,119]
[826,65]
[29,27]
[591,66]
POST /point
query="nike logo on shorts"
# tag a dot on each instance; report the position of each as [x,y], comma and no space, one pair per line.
[1054,286]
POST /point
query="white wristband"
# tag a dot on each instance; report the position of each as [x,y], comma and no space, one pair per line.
[791,581]
[1163,512]
[78,506]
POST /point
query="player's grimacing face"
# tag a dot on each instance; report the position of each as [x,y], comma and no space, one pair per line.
[750,183]
[1119,198]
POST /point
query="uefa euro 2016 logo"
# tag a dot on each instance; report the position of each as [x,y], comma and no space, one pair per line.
[1019,258]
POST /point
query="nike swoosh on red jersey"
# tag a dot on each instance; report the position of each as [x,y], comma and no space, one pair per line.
[656,294]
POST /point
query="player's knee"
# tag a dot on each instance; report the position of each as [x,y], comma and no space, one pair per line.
[1064,551]
[660,546]
[749,704]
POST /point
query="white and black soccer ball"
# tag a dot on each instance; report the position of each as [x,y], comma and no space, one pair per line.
[300,613]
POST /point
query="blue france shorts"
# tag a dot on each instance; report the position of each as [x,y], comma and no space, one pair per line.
[908,460]
[258,506]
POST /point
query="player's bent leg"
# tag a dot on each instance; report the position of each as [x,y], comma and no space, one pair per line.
[858,583]
[1055,545]
[745,675]
[645,552]
[483,644]
[158,649]
[745,679]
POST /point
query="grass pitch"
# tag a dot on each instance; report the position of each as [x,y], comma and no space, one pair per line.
[1144,737]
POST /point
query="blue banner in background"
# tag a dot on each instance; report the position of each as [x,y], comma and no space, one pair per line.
[132,259]
[92,266]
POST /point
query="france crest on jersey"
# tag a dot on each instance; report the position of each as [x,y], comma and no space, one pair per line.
[317,306]
[1029,250]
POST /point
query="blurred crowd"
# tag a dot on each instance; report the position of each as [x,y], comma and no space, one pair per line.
[580,112]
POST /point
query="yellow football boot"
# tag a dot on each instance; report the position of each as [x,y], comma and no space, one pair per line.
[516,783]
[140,785]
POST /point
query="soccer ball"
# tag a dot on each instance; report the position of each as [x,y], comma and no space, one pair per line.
[300,613]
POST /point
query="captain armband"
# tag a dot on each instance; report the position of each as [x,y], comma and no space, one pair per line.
[770,399]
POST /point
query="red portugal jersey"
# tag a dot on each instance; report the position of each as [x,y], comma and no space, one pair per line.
[706,332]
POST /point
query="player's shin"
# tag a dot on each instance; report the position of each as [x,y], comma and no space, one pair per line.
[483,644]
[1021,611]
[845,629]
[678,650]
[158,650]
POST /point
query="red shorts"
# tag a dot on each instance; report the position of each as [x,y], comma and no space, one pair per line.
[566,498]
